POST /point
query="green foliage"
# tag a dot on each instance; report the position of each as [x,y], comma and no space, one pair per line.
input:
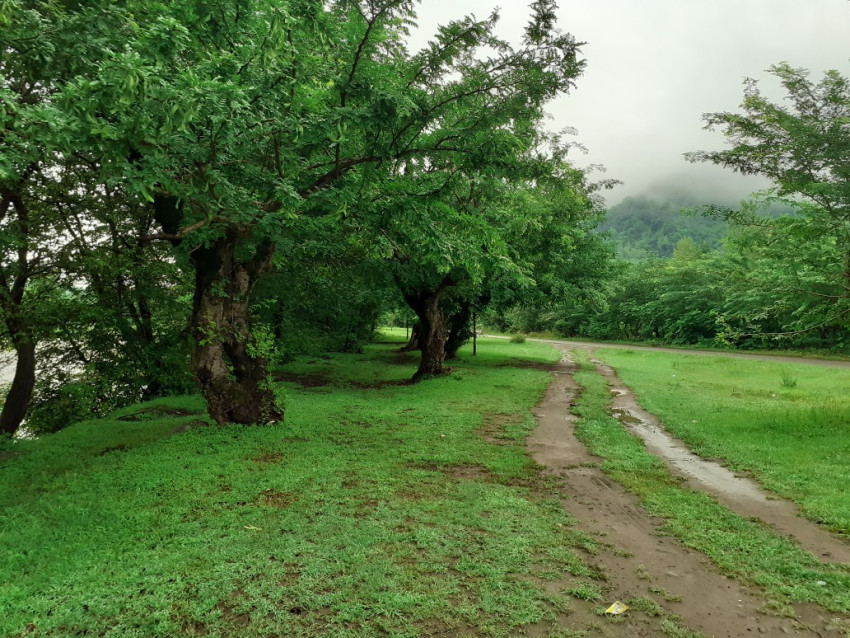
[518,338]
[239,132]
[800,144]
[650,226]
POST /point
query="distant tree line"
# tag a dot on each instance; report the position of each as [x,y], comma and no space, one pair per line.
[774,272]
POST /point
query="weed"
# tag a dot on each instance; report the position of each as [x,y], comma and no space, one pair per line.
[643,573]
[585,591]
[646,605]
[670,597]
[673,629]
[518,338]
[788,380]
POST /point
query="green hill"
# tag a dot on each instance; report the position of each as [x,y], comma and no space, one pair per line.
[649,226]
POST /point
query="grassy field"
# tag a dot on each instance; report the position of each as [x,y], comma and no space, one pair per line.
[742,548]
[786,424]
[378,509]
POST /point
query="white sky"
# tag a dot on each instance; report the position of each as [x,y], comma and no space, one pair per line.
[655,66]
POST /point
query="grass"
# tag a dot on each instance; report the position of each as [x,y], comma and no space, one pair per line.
[377,509]
[788,425]
[742,548]
[711,346]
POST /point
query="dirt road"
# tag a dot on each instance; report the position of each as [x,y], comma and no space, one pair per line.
[640,561]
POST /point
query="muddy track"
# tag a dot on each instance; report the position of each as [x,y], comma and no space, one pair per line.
[643,559]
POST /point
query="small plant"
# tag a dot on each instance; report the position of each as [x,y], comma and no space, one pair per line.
[666,595]
[518,338]
[585,591]
[647,605]
[788,380]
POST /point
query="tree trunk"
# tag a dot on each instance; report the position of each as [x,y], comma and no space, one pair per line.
[459,333]
[20,393]
[432,332]
[233,376]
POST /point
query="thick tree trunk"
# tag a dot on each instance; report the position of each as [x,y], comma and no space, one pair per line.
[20,393]
[459,331]
[433,332]
[233,376]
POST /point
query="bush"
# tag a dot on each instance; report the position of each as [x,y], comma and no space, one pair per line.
[518,338]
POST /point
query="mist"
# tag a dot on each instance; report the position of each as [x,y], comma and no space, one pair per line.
[655,67]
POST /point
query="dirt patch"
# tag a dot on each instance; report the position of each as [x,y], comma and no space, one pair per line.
[191,425]
[742,495]
[156,412]
[121,447]
[517,363]
[273,498]
[310,380]
[468,472]
[377,385]
[268,457]
[455,471]
[401,358]
[637,560]
[493,428]
[5,456]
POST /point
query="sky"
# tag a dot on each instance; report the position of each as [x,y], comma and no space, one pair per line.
[655,66]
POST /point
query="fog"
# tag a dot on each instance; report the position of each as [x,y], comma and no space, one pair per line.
[655,66]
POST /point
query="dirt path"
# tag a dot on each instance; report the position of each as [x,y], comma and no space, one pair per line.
[776,358]
[709,602]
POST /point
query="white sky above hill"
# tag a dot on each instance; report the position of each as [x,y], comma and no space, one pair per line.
[655,66]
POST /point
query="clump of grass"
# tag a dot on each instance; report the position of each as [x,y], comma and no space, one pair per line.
[788,380]
[673,629]
[670,597]
[646,605]
[518,338]
[585,590]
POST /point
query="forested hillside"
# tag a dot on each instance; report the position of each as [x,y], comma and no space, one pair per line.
[651,225]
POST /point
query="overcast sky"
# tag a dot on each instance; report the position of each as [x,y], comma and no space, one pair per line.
[655,66]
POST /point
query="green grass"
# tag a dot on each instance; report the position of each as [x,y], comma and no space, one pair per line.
[786,424]
[742,548]
[712,346]
[375,510]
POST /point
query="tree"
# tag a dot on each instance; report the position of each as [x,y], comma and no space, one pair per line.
[803,147]
[42,46]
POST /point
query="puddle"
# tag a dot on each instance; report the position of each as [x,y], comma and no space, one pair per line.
[742,495]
